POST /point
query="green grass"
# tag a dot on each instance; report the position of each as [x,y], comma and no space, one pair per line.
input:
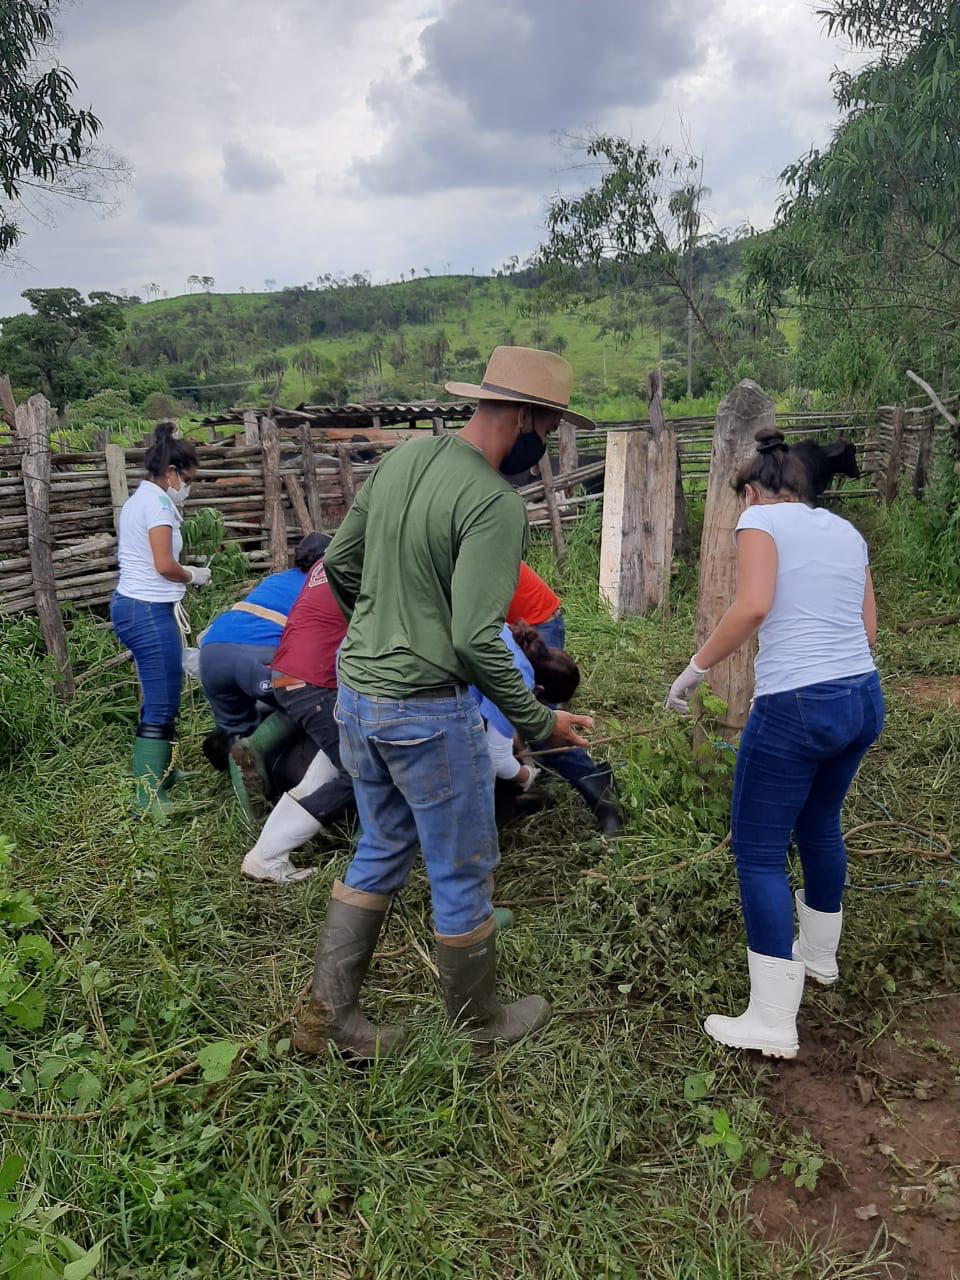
[571,1156]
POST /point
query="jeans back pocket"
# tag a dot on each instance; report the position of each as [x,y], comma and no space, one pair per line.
[831,717]
[417,762]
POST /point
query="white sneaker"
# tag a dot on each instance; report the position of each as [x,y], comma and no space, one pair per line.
[288,826]
[770,1021]
[818,941]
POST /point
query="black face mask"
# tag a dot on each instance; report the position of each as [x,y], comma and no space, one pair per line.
[525,453]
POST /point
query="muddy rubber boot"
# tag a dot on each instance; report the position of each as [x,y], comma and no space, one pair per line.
[600,794]
[151,763]
[468,977]
[347,941]
[818,941]
[250,760]
[770,1021]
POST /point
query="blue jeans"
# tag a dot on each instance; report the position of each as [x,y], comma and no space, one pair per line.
[798,756]
[234,678]
[421,776]
[148,630]
[575,767]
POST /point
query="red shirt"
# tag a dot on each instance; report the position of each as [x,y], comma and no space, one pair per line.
[315,627]
[533,602]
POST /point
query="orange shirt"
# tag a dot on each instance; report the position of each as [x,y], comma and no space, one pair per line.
[533,602]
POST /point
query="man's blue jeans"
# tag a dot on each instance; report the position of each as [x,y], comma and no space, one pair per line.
[798,755]
[149,631]
[421,776]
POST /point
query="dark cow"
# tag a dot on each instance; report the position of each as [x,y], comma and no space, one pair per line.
[593,485]
[824,461]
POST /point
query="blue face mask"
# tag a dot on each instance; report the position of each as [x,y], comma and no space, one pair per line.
[524,453]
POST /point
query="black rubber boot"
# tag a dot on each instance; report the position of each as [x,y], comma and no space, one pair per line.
[347,941]
[468,977]
[600,794]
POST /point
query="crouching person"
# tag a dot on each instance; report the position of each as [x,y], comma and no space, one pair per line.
[304,683]
[237,649]
[425,563]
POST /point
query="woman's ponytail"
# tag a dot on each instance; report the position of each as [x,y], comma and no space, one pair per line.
[168,451]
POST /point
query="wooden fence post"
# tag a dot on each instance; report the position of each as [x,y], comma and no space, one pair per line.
[892,478]
[921,471]
[553,511]
[636,540]
[567,441]
[681,525]
[347,486]
[251,430]
[742,412]
[438,426]
[117,475]
[273,495]
[310,481]
[295,490]
[32,421]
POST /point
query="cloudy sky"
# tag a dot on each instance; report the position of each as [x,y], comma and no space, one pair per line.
[280,139]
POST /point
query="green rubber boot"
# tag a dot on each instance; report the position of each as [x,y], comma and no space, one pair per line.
[250,761]
[151,763]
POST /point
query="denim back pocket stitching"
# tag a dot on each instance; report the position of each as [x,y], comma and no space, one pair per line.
[348,759]
[419,767]
[843,698]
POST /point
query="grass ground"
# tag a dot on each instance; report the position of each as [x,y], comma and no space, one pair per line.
[574,1155]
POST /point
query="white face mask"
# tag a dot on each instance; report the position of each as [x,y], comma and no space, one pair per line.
[179,496]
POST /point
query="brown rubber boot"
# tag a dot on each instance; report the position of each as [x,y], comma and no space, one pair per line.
[347,941]
[468,977]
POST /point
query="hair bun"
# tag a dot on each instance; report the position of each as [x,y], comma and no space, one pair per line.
[164,431]
[769,440]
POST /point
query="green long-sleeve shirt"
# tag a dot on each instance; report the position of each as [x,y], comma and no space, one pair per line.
[425,565]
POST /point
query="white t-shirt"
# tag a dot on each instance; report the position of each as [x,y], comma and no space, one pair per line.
[814,631]
[147,508]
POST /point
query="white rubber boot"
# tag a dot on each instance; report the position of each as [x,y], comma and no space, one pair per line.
[288,827]
[770,1022]
[818,941]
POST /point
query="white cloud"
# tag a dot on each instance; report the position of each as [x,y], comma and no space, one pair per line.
[403,137]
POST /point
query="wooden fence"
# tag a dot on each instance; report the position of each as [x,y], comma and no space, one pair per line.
[274,478]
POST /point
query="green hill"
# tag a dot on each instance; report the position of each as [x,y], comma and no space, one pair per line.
[350,340]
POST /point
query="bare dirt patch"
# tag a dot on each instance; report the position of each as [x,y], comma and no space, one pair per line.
[888,1117]
[940,690]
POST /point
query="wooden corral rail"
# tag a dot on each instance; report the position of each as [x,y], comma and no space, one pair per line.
[270,484]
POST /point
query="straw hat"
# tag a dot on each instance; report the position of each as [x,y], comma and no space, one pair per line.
[526,376]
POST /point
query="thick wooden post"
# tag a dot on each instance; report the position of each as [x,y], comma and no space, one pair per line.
[117,475]
[347,486]
[553,511]
[32,421]
[895,457]
[438,426]
[310,481]
[8,406]
[742,412]
[636,540]
[273,495]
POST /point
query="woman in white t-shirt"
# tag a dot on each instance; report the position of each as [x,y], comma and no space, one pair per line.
[803,584]
[152,581]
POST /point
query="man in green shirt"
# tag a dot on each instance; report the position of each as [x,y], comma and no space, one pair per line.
[425,565]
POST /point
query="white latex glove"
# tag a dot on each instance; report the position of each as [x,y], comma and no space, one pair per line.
[533,773]
[200,575]
[682,688]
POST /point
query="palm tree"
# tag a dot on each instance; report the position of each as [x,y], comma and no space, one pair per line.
[191,281]
[305,361]
[208,282]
